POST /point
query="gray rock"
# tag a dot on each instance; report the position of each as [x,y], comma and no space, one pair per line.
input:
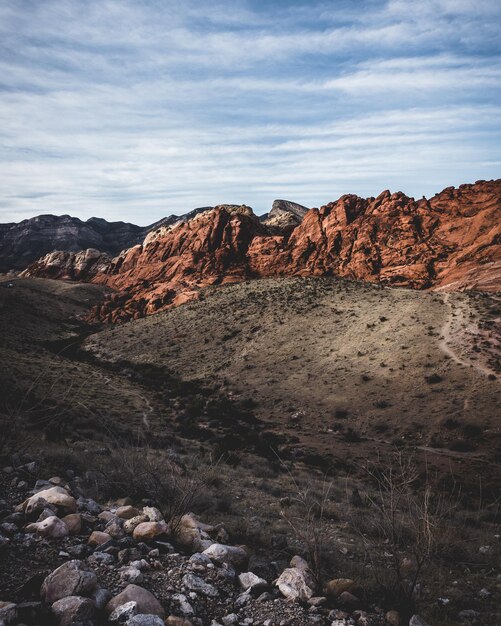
[73,609]
[101,557]
[131,575]
[73,578]
[230,620]
[185,607]
[123,613]
[145,620]
[197,584]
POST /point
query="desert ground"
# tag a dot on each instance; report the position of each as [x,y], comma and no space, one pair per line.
[288,391]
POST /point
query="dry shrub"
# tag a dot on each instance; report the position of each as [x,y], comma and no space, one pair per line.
[401,529]
[146,474]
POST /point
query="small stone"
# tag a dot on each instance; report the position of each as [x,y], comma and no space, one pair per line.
[131,575]
[184,606]
[195,583]
[114,530]
[101,558]
[317,601]
[230,620]
[248,580]
[130,524]
[126,512]
[123,613]
[146,531]
[98,538]
[232,555]
[145,620]
[153,514]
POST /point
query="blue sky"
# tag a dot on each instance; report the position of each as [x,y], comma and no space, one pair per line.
[135,109]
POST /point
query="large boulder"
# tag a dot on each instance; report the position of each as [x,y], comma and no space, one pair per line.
[57,496]
[146,601]
[296,584]
[73,609]
[73,578]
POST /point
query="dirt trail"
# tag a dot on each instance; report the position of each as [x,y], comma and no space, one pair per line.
[446,341]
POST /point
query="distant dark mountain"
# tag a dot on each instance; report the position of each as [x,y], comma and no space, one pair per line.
[24,242]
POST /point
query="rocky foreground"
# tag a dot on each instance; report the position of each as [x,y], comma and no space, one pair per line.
[69,560]
[450,241]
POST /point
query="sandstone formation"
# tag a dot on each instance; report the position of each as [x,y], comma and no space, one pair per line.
[451,241]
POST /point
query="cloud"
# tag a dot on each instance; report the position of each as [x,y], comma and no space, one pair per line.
[134,109]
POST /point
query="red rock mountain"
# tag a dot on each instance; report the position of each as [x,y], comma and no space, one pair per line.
[451,241]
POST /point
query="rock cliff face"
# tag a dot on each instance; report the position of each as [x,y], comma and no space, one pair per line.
[451,241]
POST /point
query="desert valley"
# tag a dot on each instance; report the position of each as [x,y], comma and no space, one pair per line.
[250,313]
[269,387]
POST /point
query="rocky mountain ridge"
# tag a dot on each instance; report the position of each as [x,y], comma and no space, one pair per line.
[23,243]
[451,241]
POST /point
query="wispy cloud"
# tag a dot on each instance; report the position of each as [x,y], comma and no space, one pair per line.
[134,109]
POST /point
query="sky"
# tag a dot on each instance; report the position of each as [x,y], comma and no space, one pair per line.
[136,109]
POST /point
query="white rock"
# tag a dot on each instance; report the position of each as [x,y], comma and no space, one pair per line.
[296,584]
[55,495]
[50,527]
[249,580]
